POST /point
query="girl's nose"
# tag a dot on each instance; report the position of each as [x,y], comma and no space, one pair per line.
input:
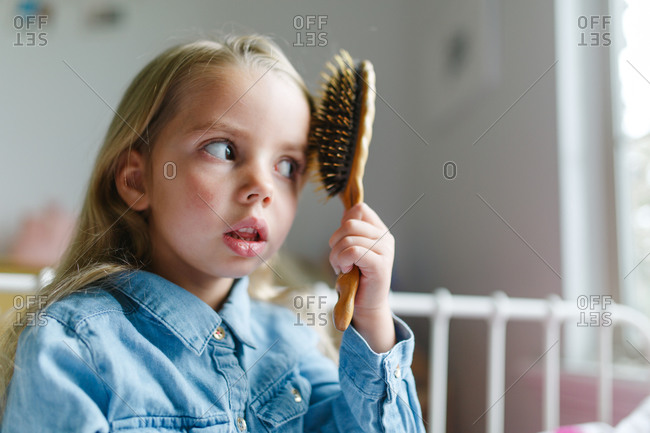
[258,186]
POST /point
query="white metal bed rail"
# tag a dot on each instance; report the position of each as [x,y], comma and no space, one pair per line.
[25,283]
[497,310]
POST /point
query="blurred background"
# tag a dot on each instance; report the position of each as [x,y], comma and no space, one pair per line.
[508,151]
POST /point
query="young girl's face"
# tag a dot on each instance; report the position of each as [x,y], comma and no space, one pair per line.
[226,173]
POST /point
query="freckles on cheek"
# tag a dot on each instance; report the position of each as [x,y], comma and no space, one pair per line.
[202,200]
[201,196]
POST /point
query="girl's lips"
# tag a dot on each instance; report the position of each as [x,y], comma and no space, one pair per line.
[244,248]
[247,238]
[250,224]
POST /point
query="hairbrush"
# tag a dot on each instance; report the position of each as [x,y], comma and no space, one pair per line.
[340,134]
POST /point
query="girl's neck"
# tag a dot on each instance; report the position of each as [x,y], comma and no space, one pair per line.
[213,291]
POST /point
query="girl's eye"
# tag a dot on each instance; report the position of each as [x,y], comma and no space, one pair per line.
[287,168]
[221,149]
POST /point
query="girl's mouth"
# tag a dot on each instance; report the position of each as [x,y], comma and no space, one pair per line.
[244,244]
[247,238]
[245,234]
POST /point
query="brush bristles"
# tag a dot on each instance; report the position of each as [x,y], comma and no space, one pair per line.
[334,127]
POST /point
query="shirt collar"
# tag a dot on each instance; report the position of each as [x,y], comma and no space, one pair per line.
[188,318]
[236,311]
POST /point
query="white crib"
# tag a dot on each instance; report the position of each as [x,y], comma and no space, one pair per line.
[497,310]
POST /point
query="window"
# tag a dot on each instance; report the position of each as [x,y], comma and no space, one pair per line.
[631,99]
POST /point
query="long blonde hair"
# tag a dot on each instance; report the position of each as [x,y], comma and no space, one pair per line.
[110,237]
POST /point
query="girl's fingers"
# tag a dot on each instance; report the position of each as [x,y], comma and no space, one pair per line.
[363,239]
[351,242]
[353,255]
[365,213]
[359,250]
[355,227]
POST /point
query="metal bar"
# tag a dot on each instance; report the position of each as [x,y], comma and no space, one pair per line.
[605,378]
[18,283]
[497,364]
[439,347]
[552,367]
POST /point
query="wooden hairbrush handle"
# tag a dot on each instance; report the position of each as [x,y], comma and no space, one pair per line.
[348,283]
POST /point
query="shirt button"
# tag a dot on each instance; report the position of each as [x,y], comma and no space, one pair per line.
[219,333]
[296,395]
[241,424]
[398,372]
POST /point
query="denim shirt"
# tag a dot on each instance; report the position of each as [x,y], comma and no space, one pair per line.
[139,353]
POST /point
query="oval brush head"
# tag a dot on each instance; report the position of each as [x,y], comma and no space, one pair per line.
[340,134]
[342,126]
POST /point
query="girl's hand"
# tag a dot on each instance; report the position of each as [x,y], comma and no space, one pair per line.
[364,240]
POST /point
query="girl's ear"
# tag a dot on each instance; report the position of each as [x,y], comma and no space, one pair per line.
[130,180]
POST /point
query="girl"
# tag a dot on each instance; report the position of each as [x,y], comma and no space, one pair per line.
[148,325]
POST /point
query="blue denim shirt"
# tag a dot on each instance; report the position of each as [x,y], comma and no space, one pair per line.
[139,353]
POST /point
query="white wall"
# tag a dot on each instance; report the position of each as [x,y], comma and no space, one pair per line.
[456,240]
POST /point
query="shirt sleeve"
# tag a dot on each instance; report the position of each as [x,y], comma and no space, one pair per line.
[55,386]
[374,392]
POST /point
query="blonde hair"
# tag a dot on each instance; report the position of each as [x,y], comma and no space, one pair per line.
[110,237]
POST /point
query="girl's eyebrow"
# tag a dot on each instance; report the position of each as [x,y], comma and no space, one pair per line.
[295,147]
[213,125]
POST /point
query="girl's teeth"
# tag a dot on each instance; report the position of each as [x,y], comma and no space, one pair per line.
[247,234]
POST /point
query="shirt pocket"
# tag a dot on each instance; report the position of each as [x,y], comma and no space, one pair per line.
[283,405]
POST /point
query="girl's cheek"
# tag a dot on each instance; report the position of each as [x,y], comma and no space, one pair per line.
[290,213]
[205,192]
[201,196]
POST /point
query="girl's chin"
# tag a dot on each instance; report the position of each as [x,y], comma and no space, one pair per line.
[239,270]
